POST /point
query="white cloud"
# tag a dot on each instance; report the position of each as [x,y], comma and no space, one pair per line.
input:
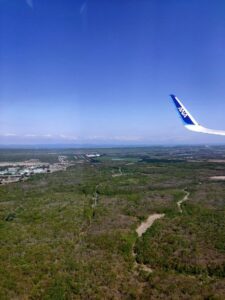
[122,138]
[8,134]
[95,137]
[127,138]
[30,135]
[68,137]
[33,137]
[48,135]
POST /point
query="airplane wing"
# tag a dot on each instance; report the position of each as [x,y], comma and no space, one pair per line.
[189,122]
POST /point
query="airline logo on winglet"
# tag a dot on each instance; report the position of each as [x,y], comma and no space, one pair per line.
[183,112]
[185,116]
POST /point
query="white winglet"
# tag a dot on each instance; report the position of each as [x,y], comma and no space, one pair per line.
[189,122]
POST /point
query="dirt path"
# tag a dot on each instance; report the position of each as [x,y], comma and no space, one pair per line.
[144,226]
[95,197]
[148,223]
[120,173]
[185,198]
[141,229]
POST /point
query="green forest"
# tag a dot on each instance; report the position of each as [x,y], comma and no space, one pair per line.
[72,234]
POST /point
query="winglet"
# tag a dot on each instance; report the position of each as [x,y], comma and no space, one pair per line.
[183,112]
[189,121]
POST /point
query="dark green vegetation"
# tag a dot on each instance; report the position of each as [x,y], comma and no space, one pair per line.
[70,235]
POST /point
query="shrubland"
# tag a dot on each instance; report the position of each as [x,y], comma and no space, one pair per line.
[71,234]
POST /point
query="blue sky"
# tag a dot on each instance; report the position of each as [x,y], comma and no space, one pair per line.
[101,71]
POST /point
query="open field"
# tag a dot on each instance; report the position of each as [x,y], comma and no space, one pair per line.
[71,234]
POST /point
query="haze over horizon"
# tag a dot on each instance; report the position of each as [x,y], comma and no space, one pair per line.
[100,72]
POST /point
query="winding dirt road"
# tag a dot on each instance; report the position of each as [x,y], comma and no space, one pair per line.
[143,227]
[185,198]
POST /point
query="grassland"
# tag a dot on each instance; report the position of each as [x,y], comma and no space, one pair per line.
[70,235]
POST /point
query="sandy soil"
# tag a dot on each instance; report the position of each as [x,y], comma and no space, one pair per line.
[217,178]
[148,223]
[217,160]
